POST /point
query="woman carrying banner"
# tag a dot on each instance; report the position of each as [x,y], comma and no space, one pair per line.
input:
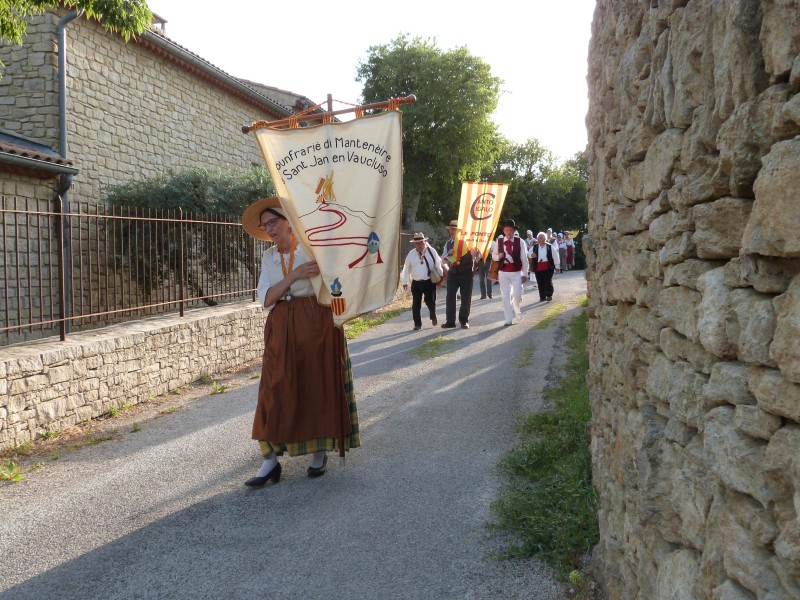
[306,403]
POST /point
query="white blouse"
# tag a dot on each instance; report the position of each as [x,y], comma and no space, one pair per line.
[272,273]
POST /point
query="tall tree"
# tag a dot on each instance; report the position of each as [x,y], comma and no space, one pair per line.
[447,133]
[127,17]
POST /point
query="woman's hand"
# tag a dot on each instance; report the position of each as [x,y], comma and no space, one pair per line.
[306,270]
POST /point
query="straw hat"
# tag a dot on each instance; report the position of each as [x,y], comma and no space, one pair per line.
[454,225]
[251,217]
[419,237]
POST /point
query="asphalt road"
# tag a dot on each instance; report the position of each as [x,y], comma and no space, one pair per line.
[163,512]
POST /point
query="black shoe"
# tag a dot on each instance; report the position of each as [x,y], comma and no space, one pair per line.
[318,471]
[549,298]
[490,296]
[465,326]
[434,321]
[274,475]
[449,326]
[417,327]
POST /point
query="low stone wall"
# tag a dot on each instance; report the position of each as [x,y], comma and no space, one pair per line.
[53,385]
[694,288]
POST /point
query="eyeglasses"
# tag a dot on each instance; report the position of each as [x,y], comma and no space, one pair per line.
[269,224]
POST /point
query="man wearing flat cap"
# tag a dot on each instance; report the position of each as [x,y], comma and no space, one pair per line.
[512,252]
[459,279]
[421,264]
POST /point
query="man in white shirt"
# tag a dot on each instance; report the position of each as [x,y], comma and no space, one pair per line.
[512,251]
[420,263]
[547,263]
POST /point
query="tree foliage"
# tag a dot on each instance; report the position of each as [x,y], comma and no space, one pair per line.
[126,17]
[448,135]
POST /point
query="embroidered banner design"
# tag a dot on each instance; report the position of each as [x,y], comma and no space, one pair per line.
[478,214]
[341,187]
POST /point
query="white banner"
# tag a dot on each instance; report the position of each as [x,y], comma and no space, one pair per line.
[341,187]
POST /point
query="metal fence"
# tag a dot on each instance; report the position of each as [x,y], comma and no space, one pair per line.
[96,265]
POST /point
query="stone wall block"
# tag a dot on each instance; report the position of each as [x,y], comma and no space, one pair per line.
[753,328]
[678,576]
[746,136]
[676,309]
[730,590]
[738,60]
[772,227]
[689,61]
[781,469]
[764,274]
[677,385]
[678,250]
[662,157]
[756,423]
[633,181]
[785,349]
[714,314]
[746,561]
[688,272]
[780,36]
[657,207]
[675,346]
[729,383]
[734,457]
[719,227]
[774,393]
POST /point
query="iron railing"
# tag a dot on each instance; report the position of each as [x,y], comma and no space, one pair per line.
[96,265]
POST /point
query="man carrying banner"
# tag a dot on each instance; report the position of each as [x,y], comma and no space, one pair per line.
[512,251]
[422,263]
[458,260]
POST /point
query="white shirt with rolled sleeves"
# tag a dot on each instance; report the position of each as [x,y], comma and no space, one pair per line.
[415,267]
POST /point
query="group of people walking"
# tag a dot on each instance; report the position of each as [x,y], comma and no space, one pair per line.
[516,260]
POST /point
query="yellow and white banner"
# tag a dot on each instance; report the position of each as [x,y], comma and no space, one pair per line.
[478,214]
[341,187]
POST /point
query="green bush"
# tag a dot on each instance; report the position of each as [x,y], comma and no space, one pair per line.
[197,190]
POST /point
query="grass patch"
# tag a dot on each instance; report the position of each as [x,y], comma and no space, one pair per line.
[172,409]
[548,501]
[524,358]
[434,348]
[10,471]
[354,328]
[550,315]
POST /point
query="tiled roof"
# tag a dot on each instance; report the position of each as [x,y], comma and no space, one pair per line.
[26,149]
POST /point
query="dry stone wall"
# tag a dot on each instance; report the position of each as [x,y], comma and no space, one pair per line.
[694,285]
[51,386]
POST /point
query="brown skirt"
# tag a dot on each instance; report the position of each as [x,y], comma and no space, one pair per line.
[301,395]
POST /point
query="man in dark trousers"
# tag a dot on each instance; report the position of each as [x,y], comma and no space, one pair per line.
[545,260]
[459,280]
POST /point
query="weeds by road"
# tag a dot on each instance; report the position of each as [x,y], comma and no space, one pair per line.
[548,501]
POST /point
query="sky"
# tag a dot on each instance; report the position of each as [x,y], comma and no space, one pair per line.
[538,48]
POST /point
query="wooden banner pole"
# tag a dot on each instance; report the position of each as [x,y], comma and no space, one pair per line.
[319,116]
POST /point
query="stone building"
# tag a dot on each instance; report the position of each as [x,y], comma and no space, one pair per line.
[694,286]
[133,110]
